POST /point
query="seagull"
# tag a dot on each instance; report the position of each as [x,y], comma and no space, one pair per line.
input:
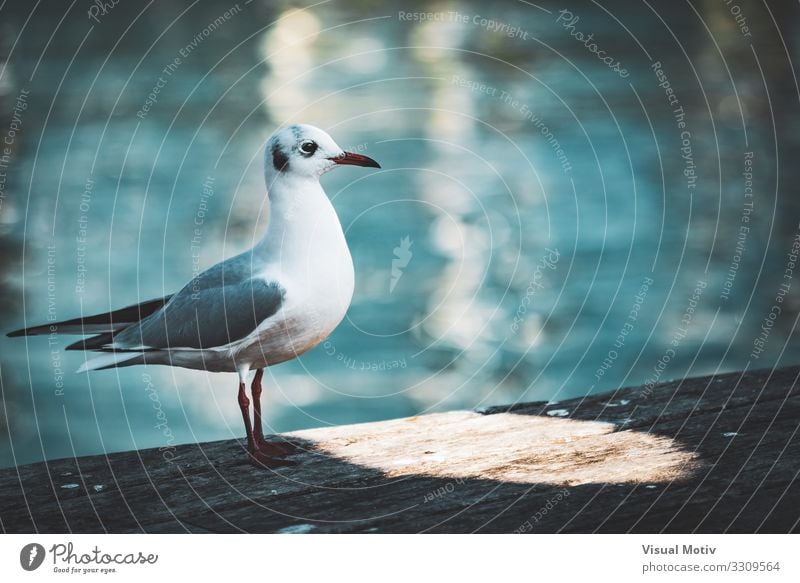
[263,307]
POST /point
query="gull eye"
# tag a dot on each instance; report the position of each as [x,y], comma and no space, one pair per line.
[308,147]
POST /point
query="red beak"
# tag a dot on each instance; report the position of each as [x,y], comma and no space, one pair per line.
[348,158]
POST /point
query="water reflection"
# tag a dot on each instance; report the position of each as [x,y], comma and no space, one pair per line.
[529,194]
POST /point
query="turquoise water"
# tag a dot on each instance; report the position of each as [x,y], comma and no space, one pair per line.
[547,224]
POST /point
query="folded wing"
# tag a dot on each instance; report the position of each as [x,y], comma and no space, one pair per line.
[208,318]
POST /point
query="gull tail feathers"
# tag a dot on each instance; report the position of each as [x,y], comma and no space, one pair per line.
[111,360]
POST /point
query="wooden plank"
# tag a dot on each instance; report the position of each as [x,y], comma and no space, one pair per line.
[714,454]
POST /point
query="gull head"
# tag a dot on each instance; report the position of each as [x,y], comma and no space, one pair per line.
[305,151]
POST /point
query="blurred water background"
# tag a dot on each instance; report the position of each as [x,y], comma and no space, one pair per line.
[546,225]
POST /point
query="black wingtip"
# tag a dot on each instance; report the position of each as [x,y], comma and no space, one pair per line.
[31,331]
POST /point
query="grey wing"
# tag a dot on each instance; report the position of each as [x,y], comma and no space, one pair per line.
[205,318]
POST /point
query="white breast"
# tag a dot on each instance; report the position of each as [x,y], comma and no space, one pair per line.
[308,256]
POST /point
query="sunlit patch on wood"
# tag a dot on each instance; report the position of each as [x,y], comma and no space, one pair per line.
[508,447]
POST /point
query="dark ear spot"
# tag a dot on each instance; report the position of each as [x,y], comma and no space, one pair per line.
[279,160]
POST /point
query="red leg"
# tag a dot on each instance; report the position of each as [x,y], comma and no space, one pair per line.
[258,455]
[244,405]
[266,447]
[255,390]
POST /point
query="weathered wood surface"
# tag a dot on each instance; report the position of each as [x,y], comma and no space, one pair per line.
[708,455]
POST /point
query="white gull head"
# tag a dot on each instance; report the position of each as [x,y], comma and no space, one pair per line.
[305,151]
